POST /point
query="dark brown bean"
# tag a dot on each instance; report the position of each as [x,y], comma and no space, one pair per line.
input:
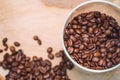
[97,54]
[49,50]
[12,49]
[35,37]
[70,50]
[95,59]
[51,56]
[17,44]
[1,50]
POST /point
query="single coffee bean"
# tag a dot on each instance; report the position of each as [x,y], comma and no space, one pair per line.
[97,54]
[95,59]
[58,54]
[51,56]
[12,49]
[49,50]
[84,56]
[1,50]
[70,50]
[39,41]
[109,64]
[17,44]
[35,37]
[34,58]
[5,40]
[43,70]
[20,66]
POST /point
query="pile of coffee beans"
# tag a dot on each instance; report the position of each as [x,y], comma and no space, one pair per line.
[22,67]
[93,40]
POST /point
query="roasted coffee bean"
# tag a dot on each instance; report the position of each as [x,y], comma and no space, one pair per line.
[4,41]
[49,50]
[43,70]
[58,54]
[17,44]
[51,56]
[37,39]
[48,62]
[102,62]
[94,40]
[1,50]
[14,64]
[95,59]
[97,54]
[12,49]
[70,50]
[70,65]
[20,66]
[34,58]
[109,64]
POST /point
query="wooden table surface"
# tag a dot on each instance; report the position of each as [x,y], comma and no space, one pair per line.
[20,20]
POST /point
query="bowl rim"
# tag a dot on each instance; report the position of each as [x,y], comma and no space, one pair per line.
[63,27]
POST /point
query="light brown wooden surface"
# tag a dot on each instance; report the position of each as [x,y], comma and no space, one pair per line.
[20,20]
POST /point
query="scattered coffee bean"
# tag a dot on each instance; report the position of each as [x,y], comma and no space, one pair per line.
[4,42]
[94,40]
[50,56]
[17,44]
[1,50]
[49,50]
[12,49]
[37,39]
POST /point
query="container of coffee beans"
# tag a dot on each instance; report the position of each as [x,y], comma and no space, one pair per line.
[91,36]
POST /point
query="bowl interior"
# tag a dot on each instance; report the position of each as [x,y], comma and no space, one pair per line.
[103,7]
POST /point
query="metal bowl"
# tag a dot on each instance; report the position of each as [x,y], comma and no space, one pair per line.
[94,5]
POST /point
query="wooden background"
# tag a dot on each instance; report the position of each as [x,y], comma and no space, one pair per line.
[20,20]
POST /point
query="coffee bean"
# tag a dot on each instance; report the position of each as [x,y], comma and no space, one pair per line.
[70,65]
[71,31]
[84,56]
[17,44]
[95,59]
[1,50]
[49,50]
[109,55]
[4,42]
[97,54]
[9,59]
[43,70]
[102,62]
[12,49]
[20,66]
[70,49]
[109,64]
[37,39]
[14,64]
[34,58]
[48,62]
[51,56]
[58,54]
[103,50]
